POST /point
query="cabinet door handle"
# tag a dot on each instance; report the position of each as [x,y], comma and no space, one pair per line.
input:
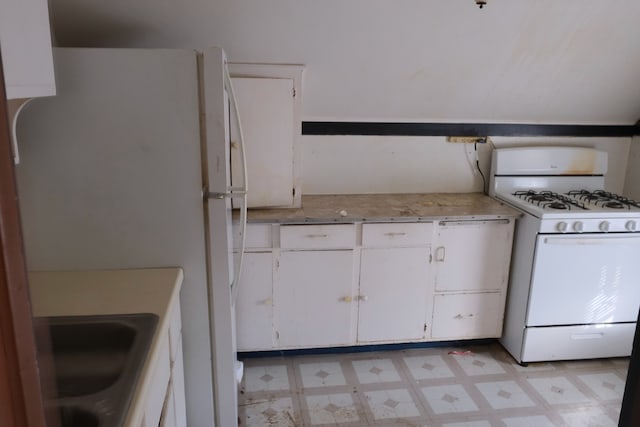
[347,299]
[440,253]
[317,236]
[463,316]
[394,234]
[267,301]
[363,298]
[587,336]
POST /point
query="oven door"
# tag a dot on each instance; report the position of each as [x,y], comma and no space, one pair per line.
[585,279]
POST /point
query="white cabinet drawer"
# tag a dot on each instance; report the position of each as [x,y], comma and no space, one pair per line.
[474,315]
[342,236]
[258,236]
[578,342]
[397,234]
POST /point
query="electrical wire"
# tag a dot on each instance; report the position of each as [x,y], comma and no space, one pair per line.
[484,181]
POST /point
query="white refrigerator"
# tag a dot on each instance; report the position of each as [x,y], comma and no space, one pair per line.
[114,173]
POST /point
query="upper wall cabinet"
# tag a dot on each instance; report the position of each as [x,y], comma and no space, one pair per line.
[25,43]
[269,102]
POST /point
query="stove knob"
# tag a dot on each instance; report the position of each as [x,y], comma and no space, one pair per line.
[604,226]
[578,226]
[630,226]
[562,226]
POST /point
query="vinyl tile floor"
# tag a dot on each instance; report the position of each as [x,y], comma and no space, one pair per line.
[476,386]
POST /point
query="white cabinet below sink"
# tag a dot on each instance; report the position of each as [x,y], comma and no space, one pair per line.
[170,380]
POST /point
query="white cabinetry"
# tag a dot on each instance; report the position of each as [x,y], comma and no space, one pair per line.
[254,306]
[393,300]
[471,261]
[306,286]
[25,43]
[269,102]
[314,285]
[254,303]
[165,405]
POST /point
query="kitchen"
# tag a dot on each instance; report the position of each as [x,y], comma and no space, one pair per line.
[339,59]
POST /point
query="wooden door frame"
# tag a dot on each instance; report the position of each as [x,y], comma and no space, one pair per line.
[21,402]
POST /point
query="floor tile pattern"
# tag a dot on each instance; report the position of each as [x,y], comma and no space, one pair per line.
[477,386]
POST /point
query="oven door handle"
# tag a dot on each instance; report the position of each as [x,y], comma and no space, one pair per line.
[604,240]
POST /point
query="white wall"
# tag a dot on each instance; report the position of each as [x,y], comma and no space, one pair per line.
[632,179]
[570,61]
[574,61]
[365,164]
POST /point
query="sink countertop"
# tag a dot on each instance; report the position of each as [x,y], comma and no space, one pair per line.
[71,293]
[387,207]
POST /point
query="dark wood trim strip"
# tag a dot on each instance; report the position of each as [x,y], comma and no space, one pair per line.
[20,380]
[465,129]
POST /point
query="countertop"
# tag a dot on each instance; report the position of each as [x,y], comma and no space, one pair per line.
[112,292]
[387,207]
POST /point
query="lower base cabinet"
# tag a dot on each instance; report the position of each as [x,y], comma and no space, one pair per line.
[165,405]
[472,315]
[355,284]
[312,298]
[471,268]
[394,294]
[254,304]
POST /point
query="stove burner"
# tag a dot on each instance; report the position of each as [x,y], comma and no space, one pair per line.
[539,198]
[557,205]
[614,205]
[604,199]
[549,199]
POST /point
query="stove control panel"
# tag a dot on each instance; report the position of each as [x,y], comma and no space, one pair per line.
[590,225]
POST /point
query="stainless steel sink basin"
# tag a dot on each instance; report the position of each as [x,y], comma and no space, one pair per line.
[97,362]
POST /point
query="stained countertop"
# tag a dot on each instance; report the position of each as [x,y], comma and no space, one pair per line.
[386,207]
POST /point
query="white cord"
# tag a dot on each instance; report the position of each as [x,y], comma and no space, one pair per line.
[470,160]
[14,130]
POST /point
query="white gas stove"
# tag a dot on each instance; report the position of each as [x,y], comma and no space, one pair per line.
[573,291]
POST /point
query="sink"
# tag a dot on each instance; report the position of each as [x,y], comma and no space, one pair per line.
[71,416]
[97,361]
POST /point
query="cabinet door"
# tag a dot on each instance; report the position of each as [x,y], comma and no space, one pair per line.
[472,315]
[312,298]
[473,255]
[25,42]
[254,306]
[394,294]
[266,111]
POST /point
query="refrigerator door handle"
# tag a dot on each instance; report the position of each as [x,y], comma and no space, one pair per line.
[227,195]
[243,191]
